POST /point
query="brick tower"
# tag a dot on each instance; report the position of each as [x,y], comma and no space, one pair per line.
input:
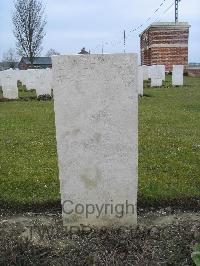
[165,43]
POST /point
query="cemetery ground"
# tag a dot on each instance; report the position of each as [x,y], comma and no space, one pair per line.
[169,186]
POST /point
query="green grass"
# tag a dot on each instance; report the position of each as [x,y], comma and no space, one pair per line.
[169,147]
[169,142]
[28,161]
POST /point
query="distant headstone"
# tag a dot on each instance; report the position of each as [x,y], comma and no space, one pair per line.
[177,75]
[156,75]
[44,82]
[38,79]
[162,68]
[145,72]
[96,116]
[31,79]
[1,73]
[149,72]
[140,80]
[9,84]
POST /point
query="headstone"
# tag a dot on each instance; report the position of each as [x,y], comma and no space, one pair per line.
[156,76]
[96,115]
[44,82]
[38,79]
[162,69]
[145,72]
[31,79]
[177,75]
[149,72]
[140,80]
[24,76]
[1,73]
[9,84]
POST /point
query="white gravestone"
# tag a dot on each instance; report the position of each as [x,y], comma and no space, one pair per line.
[162,69]
[145,72]
[177,75]
[1,74]
[140,80]
[149,72]
[38,79]
[30,79]
[96,115]
[23,76]
[9,84]
[156,76]
[44,84]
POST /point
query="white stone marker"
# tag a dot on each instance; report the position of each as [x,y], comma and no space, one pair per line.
[96,115]
[30,79]
[44,82]
[177,75]
[149,72]
[1,74]
[156,76]
[162,69]
[140,80]
[9,84]
[145,72]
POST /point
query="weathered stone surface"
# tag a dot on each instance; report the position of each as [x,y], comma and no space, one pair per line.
[140,80]
[162,69]
[156,75]
[145,72]
[38,79]
[149,72]
[1,73]
[177,75]
[44,83]
[31,78]
[96,115]
[9,84]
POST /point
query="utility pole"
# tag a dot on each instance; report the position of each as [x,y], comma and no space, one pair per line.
[176,10]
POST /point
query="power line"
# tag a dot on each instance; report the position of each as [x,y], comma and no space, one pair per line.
[136,29]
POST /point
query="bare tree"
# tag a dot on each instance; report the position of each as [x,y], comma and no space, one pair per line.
[9,59]
[52,52]
[29,23]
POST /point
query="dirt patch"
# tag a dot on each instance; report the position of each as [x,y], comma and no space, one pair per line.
[162,237]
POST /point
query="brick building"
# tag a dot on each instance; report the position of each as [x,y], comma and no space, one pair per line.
[165,43]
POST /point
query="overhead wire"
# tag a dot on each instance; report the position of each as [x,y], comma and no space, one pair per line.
[135,30]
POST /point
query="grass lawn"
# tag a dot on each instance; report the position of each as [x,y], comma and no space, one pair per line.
[169,142]
[169,147]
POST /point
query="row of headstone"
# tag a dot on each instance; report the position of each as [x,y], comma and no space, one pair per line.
[38,79]
[157,74]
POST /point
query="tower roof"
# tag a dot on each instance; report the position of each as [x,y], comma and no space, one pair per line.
[169,25]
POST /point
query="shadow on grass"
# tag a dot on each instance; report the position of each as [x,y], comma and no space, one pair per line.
[147,95]
[16,208]
[185,204]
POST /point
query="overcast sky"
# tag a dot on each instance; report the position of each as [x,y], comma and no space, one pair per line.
[73,24]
